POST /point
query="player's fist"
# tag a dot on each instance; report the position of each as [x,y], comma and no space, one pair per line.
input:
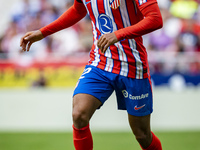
[106,40]
[29,38]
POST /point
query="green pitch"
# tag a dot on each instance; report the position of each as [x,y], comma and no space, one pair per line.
[102,141]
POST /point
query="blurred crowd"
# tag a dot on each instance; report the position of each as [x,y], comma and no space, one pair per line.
[28,15]
[174,48]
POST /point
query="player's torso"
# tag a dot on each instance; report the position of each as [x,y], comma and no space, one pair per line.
[123,57]
[111,15]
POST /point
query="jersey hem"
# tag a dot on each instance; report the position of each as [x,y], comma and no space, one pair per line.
[145,75]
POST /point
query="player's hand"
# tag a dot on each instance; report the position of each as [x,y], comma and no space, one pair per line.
[106,40]
[29,38]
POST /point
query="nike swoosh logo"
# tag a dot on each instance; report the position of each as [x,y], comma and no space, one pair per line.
[138,108]
[87,2]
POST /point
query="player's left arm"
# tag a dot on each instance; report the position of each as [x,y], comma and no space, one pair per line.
[151,22]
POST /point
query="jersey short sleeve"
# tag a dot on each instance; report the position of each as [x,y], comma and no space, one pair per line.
[144,3]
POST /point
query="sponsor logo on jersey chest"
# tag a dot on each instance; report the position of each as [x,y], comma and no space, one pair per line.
[105,23]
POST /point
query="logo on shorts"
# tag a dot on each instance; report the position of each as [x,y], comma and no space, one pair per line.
[127,95]
[138,108]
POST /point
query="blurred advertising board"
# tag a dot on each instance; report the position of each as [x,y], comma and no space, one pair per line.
[50,73]
[65,72]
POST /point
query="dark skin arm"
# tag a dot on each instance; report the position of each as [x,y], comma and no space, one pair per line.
[29,38]
[64,21]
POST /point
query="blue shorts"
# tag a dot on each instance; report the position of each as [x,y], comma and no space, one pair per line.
[133,95]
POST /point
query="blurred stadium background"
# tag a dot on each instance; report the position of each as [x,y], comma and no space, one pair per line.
[36,87]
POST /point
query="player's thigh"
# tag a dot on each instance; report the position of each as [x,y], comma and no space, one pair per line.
[140,125]
[85,105]
[94,82]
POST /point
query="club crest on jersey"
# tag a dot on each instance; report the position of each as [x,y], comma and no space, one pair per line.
[114,4]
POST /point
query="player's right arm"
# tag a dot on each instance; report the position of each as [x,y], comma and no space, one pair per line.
[74,14]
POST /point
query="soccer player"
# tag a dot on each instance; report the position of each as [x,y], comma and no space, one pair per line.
[118,61]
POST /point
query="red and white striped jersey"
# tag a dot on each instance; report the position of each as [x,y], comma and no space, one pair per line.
[125,18]
[127,57]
